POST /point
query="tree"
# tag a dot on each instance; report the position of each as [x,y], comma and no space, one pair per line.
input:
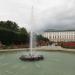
[23,30]
[40,37]
[12,25]
[2,23]
[42,40]
[10,33]
[9,25]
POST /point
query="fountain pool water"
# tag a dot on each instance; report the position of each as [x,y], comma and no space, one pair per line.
[56,63]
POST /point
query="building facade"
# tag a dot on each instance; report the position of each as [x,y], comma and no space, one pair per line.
[58,36]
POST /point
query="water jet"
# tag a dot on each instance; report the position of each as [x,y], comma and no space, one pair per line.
[31,56]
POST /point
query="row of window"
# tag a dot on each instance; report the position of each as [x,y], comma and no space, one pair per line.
[60,35]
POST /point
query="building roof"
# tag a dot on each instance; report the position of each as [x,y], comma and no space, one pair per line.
[55,30]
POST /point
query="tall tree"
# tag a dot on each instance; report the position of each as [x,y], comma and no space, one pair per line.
[10,33]
[12,25]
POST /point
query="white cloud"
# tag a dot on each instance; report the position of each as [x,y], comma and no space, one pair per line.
[47,13]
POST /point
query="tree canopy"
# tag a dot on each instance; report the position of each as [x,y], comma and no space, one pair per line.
[9,25]
[40,37]
[10,33]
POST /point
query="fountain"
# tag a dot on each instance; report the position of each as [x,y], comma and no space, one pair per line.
[31,56]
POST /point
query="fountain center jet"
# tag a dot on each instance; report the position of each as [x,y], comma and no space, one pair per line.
[31,56]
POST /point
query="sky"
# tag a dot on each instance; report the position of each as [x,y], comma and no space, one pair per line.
[47,14]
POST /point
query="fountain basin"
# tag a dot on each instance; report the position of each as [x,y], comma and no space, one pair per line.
[31,57]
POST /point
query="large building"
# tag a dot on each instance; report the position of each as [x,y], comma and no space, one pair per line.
[58,36]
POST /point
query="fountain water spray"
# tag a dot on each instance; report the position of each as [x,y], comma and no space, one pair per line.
[31,32]
[31,56]
[31,44]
